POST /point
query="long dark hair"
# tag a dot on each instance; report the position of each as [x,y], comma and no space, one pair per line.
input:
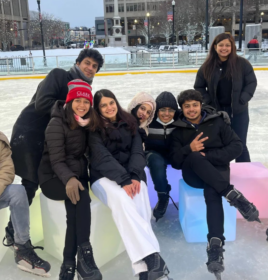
[122,115]
[213,61]
[91,115]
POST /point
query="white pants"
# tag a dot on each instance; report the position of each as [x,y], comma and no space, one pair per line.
[132,218]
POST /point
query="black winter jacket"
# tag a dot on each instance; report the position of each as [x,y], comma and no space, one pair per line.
[160,136]
[244,85]
[27,140]
[119,161]
[222,146]
[64,150]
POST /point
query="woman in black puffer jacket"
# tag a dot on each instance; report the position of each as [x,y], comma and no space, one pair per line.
[63,175]
[228,82]
[118,179]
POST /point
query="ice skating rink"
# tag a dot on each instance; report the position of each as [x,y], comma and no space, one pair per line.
[245,259]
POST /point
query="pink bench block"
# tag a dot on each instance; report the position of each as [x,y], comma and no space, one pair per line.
[251,178]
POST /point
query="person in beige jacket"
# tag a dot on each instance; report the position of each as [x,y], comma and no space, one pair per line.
[14,197]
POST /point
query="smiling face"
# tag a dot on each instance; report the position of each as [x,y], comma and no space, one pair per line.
[88,66]
[144,112]
[192,111]
[223,49]
[81,106]
[166,114]
[108,108]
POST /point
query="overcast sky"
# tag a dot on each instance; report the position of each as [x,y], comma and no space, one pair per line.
[77,12]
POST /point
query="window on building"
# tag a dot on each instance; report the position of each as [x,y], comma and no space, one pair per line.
[100,27]
[109,8]
[121,8]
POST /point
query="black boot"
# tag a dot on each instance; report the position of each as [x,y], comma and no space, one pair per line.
[161,206]
[157,268]
[8,240]
[86,266]
[215,257]
[143,275]
[67,270]
[28,260]
[248,210]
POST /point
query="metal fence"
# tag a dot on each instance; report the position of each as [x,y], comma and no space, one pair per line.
[121,62]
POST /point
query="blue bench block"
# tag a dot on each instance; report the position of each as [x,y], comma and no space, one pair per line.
[192,215]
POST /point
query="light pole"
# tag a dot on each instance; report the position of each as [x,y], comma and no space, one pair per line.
[173,6]
[42,36]
[206,25]
[148,16]
[240,24]
[136,31]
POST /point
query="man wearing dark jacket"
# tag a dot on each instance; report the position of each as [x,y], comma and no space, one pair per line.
[157,148]
[27,140]
[202,146]
[253,46]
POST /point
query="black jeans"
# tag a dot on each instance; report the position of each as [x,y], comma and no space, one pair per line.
[157,164]
[239,124]
[198,172]
[78,216]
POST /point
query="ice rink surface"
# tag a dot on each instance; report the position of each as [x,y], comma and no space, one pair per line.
[245,259]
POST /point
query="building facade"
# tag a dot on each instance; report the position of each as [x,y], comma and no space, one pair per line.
[14,15]
[132,13]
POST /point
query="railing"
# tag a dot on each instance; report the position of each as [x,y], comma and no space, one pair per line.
[121,62]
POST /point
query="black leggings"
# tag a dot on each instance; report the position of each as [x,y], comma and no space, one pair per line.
[78,216]
[198,172]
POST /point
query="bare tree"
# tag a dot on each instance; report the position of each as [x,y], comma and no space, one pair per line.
[53,27]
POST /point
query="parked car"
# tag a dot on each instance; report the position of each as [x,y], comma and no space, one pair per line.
[17,48]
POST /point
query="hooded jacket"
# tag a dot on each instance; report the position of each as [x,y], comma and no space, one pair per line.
[244,84]
[28,135]
[138,99]
[64,149]
[222,146]
[7,171]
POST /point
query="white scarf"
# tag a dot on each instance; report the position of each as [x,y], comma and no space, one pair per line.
[158,120]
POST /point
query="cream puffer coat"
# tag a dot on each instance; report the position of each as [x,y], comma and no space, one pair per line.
[138,99]
[7,170]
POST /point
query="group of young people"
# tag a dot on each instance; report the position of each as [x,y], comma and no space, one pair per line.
[65,132]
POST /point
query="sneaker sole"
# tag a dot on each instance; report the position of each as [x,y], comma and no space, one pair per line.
[79,277]
[46,275]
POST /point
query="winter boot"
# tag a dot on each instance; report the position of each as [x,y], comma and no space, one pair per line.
[215,257]
[143,275]
[157,268]
[86,267]
[248,210]
[27,259]
[9,237]
[67,271]
[161,206]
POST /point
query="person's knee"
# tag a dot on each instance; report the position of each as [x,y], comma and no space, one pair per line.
[155,160]
[17,194]
[211,195]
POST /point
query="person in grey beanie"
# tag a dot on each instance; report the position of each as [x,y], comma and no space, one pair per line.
[157,147]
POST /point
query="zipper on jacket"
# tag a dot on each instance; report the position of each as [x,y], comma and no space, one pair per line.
[165,132]
[215,90]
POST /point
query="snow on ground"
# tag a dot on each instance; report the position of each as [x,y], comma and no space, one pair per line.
[59,52]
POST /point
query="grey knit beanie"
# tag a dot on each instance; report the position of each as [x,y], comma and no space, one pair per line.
[166,99]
